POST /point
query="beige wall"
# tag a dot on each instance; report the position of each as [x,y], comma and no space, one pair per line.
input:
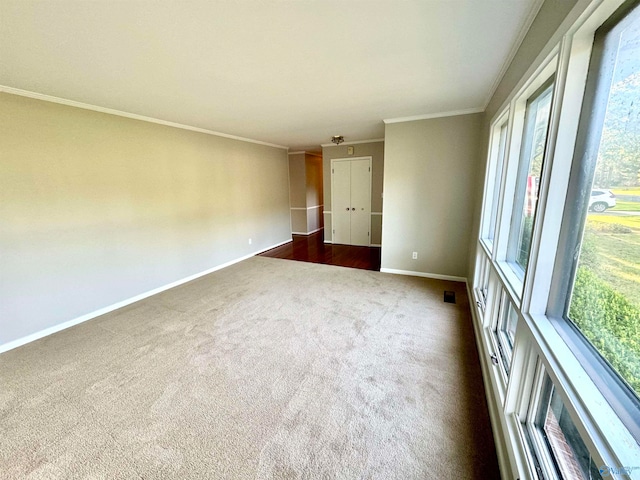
[298,192]
[297,180]
[315,206]
[376,151]
[314,180]
[551,15]
[299,220]
[96,209]
[429,185]
[305,186]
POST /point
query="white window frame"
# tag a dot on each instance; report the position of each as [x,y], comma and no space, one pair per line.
[498,159]
[524,168]
[510,176]
[500,336]
[501,299]
[542,453]
[537,343]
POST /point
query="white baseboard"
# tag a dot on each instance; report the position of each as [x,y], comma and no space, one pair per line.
[437,276]
[371,245]
[492,404]
[96,313]
[308,233]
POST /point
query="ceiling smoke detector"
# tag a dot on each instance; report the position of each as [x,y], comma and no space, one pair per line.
[337,139]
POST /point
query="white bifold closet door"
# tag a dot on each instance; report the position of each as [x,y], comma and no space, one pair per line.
[351,203]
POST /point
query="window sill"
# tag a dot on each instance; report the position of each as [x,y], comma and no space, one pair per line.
[512,283]
[487,246]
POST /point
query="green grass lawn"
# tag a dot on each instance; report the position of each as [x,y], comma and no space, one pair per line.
[617,254]
[629,221]
[605,304]
[626,206]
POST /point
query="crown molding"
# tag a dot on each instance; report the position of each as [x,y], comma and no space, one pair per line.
[429,116]
[375,140]
[524,29]
[134,116]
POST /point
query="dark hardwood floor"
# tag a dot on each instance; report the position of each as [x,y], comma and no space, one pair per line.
[311,248]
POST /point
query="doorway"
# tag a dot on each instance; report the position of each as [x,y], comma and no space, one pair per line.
[351,200]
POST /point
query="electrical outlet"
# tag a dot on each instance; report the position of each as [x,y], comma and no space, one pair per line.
[415,255]
[249,241]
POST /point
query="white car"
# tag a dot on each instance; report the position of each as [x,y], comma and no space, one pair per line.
[600,200]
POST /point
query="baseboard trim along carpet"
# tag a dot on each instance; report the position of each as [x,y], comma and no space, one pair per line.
[437,276]
[96,313]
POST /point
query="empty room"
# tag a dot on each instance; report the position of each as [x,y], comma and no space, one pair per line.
[280,239]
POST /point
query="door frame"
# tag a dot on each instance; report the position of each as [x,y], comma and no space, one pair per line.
[366,157]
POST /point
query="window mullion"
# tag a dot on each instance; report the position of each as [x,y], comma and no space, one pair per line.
[544,263]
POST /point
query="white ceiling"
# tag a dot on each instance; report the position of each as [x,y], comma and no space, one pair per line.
[291,73]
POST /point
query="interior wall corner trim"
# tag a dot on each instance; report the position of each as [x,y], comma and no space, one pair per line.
[524,29]
[429,116]
[134,116]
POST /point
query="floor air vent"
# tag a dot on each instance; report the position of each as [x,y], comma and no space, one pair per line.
[449,297]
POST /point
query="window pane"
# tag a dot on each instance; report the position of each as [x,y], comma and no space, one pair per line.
[484,287]
[562,442]
[496,181]
[510,324]
[505,332]
[605,303]
[531,159]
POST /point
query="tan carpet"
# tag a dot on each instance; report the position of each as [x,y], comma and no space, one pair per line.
[267,369]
